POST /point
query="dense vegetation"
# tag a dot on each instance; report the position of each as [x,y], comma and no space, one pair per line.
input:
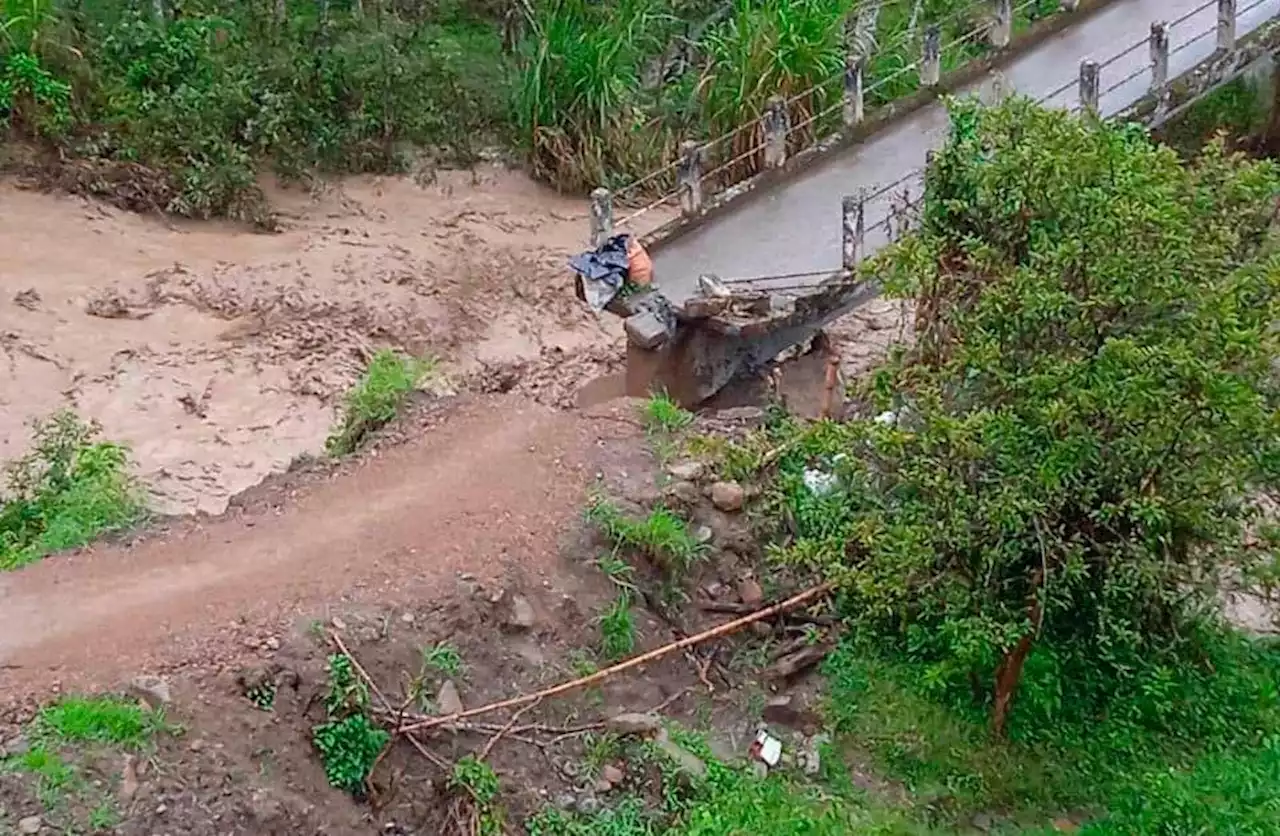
[1034,534]
[176,105]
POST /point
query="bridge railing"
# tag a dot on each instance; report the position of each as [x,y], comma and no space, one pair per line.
[895,206]
[766,142]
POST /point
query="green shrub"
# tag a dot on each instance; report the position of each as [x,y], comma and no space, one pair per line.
[224,87]
[1058,499]
[68,490]
[349,747]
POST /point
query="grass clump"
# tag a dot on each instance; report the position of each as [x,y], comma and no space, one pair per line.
[108,720]
[71,488]
[617,629]
[477,786]
[660,413]
[376,399]
[662,535]
[73,729]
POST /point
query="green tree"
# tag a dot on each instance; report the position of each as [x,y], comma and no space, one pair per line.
[1079,428]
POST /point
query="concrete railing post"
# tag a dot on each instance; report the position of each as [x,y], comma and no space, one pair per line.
[854,100]
[777,124]
[931,57]
[853,219]
[1002,28]
[1159,42]
[1089,86]
[689,176]
[601,217]
[1226,25]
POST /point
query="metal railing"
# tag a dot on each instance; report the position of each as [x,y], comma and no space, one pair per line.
[905,195]
[698,166]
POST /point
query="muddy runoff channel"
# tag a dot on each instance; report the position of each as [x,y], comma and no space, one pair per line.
[219,354]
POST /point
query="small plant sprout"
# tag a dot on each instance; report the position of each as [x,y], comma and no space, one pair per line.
[442,658]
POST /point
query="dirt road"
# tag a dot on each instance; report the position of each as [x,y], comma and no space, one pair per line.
[497,480]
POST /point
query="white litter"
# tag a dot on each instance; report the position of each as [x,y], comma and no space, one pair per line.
[767,748]
[820,482]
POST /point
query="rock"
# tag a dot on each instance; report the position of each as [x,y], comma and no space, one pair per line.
[565,801]
[751,415]
[338,623]
[153,690]
[750,593]
[272,643]
[197,745]
[686,761]
[703,534]
[810,755]
[687,471]
[982,821]
[448,700]
[612,774]
[28,299]
[602,786]
[783,711]
[588,805]
[15,746]
[128,780]
[686,493]
[31,824]
[634,724]
[407,618]
[728,496]
[254,679]
[521,616]
[1065,825]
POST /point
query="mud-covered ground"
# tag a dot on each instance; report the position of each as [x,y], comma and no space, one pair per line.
[521,618]
[217,352]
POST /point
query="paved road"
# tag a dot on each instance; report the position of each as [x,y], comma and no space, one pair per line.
[796,227]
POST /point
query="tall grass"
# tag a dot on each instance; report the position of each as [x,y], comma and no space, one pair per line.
[376,399]
[578,100]
[588,119]
[206,97]
[773,48]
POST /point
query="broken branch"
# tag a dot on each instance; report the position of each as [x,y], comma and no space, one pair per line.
[582,682]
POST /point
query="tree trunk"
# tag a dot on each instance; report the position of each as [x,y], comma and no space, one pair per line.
[1009,671]
[1008,675]
[1271,136]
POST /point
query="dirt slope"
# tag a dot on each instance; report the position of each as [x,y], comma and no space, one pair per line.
[499,480]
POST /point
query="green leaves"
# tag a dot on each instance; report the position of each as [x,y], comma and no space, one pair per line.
[1088,402]
[71,488]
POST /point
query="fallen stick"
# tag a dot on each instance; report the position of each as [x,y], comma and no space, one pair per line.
[377,692]
[493,741]
[582,682]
